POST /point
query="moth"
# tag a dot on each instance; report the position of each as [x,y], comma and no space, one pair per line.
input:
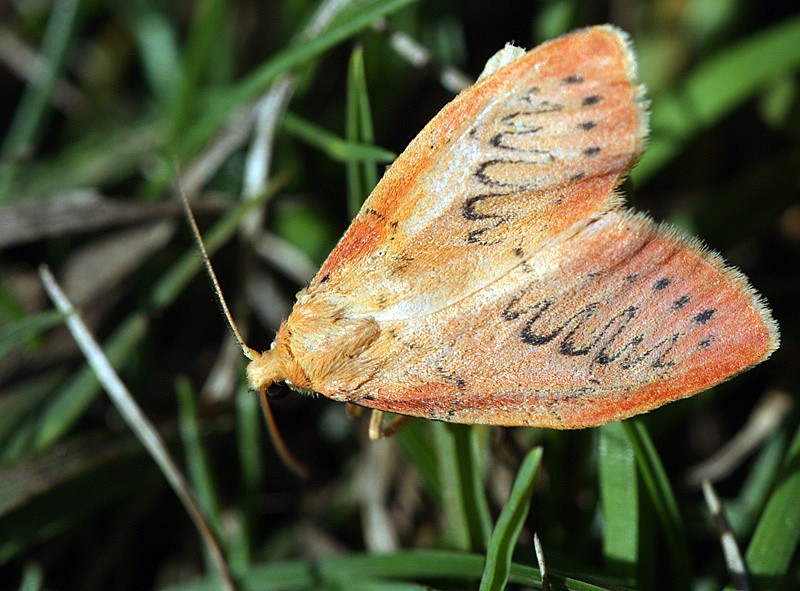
[494,275]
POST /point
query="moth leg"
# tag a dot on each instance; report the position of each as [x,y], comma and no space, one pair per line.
[377,430]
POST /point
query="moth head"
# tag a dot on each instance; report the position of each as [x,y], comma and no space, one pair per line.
[275,367]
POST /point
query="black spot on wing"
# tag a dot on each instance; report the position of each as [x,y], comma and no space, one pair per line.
[662,283]
[680,302]
[592,99]
[704,316]
[706,342]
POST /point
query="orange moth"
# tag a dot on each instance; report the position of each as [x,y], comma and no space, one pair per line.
[494,276]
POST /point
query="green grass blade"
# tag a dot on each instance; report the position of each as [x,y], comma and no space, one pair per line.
[158,47]
[477,503]
[744,511]
[249,446]
[95,159]
[363,176]
[509,524]
[774,544]
[416,442]
[74,398]
[619,495]
[32,579]
[204,36]
[465,505]
[226,102]
[198,467]
[19,331]
[10,306]
[663,498]
[382,586]
[355,186]
[451,567]
[18,407]
[332,145]
[32,111]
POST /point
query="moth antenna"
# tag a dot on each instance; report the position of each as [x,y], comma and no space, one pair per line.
[286,456]
[272,428]
[248,351]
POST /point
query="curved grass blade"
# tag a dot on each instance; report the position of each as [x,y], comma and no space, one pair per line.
[660,491]
[509,524]
[774,543]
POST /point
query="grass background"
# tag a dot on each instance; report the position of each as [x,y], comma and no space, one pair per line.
[98,98]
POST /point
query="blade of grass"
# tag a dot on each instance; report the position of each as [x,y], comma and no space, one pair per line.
[744,511]
[658,488]
[203,37]
[15,333]
[249,446]
[416,443]
[377,585]
[774,543]
[478,504]
[94,159]
[619,496]
[18,404]
[32,578]
[332,145]
[464,502]
[197,463]
[10,306]
[70,402]
[157,46]
[509,524]
[33,108]
[138,423]
[350,22]
[361,176]
[426,565]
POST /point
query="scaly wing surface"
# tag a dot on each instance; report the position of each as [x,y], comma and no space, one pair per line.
[620,317]
[503,170]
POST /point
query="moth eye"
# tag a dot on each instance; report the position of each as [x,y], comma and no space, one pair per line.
[278,391]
